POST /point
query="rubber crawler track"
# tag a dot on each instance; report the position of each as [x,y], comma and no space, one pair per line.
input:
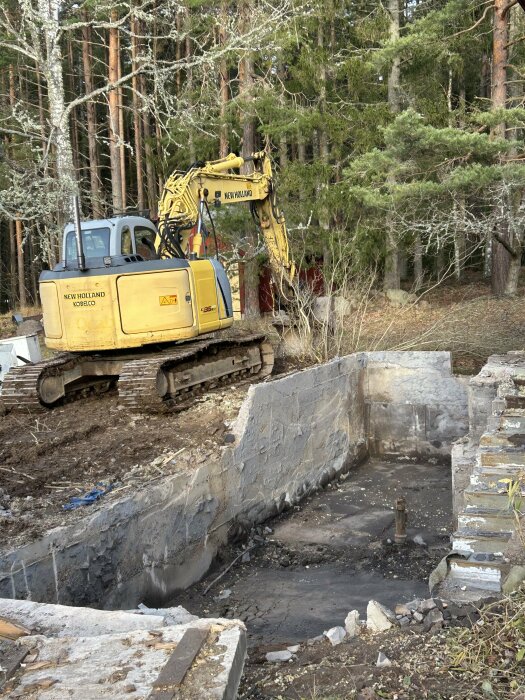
[137,382]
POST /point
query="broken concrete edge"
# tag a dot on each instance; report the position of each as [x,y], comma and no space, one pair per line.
[80,667]
[67,621]
[293,436]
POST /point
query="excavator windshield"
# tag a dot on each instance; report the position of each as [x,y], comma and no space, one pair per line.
[96,243]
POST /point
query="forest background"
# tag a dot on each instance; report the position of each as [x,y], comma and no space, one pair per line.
[396,128]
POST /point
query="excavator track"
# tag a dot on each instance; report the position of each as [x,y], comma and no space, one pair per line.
[171,382]
[147,382]
[21,384]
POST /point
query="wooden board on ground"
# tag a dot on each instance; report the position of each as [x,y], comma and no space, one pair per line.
[179,663]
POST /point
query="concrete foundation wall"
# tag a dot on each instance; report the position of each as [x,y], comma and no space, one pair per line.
[414,404]
[293,435]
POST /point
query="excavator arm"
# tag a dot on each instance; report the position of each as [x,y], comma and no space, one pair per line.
[188,195]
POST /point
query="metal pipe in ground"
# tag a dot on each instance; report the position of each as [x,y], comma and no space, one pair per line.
[401,521]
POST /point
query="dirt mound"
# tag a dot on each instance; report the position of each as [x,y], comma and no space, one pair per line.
[46,459]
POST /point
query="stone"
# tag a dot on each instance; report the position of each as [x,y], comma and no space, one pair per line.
[322,309]
[402,610]
[514,578]
[343,307]
[418,539]
[276,656]
[434,618]
[224,595]
[418,617]
[294,649]
[352,623]
[315,640]
[398,297]
[413,604]
[383,660]
[427,605]
[335,635]
[379,618]
[404,621]
[176,615]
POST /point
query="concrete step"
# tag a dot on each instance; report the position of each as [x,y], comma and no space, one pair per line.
[504,437]
[489,476]
[476,541]
[513,419]
[494,456]
[486,520]
[483,496]
[514,401]
[477,574]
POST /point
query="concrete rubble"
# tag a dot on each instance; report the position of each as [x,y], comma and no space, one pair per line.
[379,618]
[352,624]
[335,635]
[87,654]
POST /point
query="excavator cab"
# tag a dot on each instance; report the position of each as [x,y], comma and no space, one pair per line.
[125,239]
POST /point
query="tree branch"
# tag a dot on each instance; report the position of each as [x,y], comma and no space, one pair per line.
[510,250]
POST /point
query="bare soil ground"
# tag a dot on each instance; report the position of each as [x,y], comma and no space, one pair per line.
[45,459]
[462,318]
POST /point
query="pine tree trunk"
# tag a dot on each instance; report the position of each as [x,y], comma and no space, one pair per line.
[70,65]
[501,258]
[224,88]
[137,124]
[148,152]
[418,263]
[121,131]
[114,154]
[189,86]
[96,204]
[251,267]
[324,156]
[22,297]
[12,265]
[20,272]
[392,278]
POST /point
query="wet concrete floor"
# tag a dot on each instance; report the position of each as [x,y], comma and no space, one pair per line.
[333,554]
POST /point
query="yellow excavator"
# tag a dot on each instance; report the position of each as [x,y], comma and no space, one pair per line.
[129,301]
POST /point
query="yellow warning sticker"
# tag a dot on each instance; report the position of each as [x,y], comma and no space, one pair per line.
[168,300]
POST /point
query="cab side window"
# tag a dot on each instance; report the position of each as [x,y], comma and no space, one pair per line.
[144,242]
[126,248]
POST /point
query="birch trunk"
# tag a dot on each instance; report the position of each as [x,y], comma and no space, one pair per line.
[48,12]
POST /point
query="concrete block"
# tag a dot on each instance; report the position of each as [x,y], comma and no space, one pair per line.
[85,668]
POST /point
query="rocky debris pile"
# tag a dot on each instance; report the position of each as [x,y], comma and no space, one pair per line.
[427,615]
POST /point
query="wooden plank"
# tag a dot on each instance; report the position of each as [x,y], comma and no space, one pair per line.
[8,630]
[11,656]
[179,663]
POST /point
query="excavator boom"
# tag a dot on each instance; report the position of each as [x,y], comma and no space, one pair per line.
[187,193]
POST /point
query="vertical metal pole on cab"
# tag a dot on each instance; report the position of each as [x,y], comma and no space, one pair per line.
[78,234]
